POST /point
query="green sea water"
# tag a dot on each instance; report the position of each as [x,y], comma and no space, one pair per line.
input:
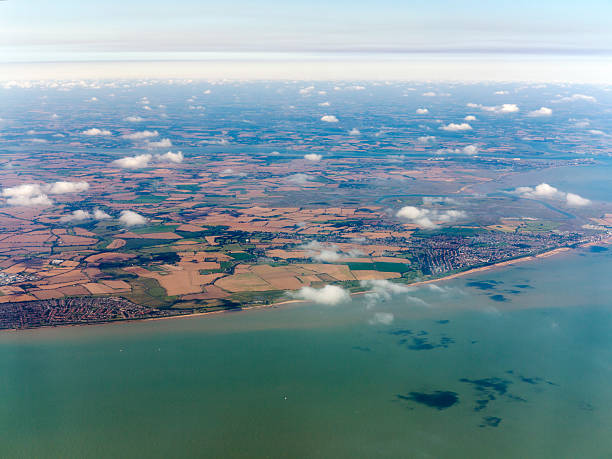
[527,351]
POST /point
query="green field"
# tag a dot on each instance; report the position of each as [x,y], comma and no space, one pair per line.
[384,267]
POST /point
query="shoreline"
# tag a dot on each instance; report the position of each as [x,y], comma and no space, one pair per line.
[478,270]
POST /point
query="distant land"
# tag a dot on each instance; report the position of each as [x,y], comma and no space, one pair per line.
[130,200]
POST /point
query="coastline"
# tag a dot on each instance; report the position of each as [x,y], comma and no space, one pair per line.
[478,270]
[471,271]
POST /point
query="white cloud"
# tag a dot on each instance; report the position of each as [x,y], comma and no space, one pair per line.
[597,132]
[33,194]
[426,139]
[330,295]
[328,256]
[96,131]
[307,90]
[313,157]
[500,93]
[470,118]
[546,191]
[467,150]
[429,94]
[429,218]
[324,104]
[133,162]
[543,190]
[381,290]
[76,216]
[100,215]
[327,253]
[171,157]
[229,172]
[385,288]
[329,118]
[581,123]
[163,143]
[504,108]
[430,200]
[68,187]
[470,149]
[422,111]
[140,135]
[133,119]
[575,98]
[542,111]
[454,127]
[574,200]
[130,218]
[300,179]
[354,131]
[29,194]
[383,318]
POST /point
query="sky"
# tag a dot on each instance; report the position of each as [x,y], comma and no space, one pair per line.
[153,30]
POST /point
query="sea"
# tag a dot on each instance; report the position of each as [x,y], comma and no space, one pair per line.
[509,362]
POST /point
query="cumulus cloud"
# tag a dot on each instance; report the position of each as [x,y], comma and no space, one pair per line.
[35,195]
[329,118]
[327,256]
[385,288]
[68,187]
[76,216]
[500,93]
[163,143]
[328,253]
[381,290]
[470,149]
[430,200]
[354,131]
[429,218]
[429,94]
[141,135]
[470,118]
[598,132]
[574,200]
[542,111]
[426,139]
[575,98]
[130,218]
[467,150]
[580,123]
[29,194]
[330,295]
[456,127]
[307,90]
[171,157]
[96,132]
[133,119]
[546,191]
[300,179]
[383,318]
[313,157]
[323,104]
[504,108]
[422,111]
[100,215]
[229,172]
[133,162]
